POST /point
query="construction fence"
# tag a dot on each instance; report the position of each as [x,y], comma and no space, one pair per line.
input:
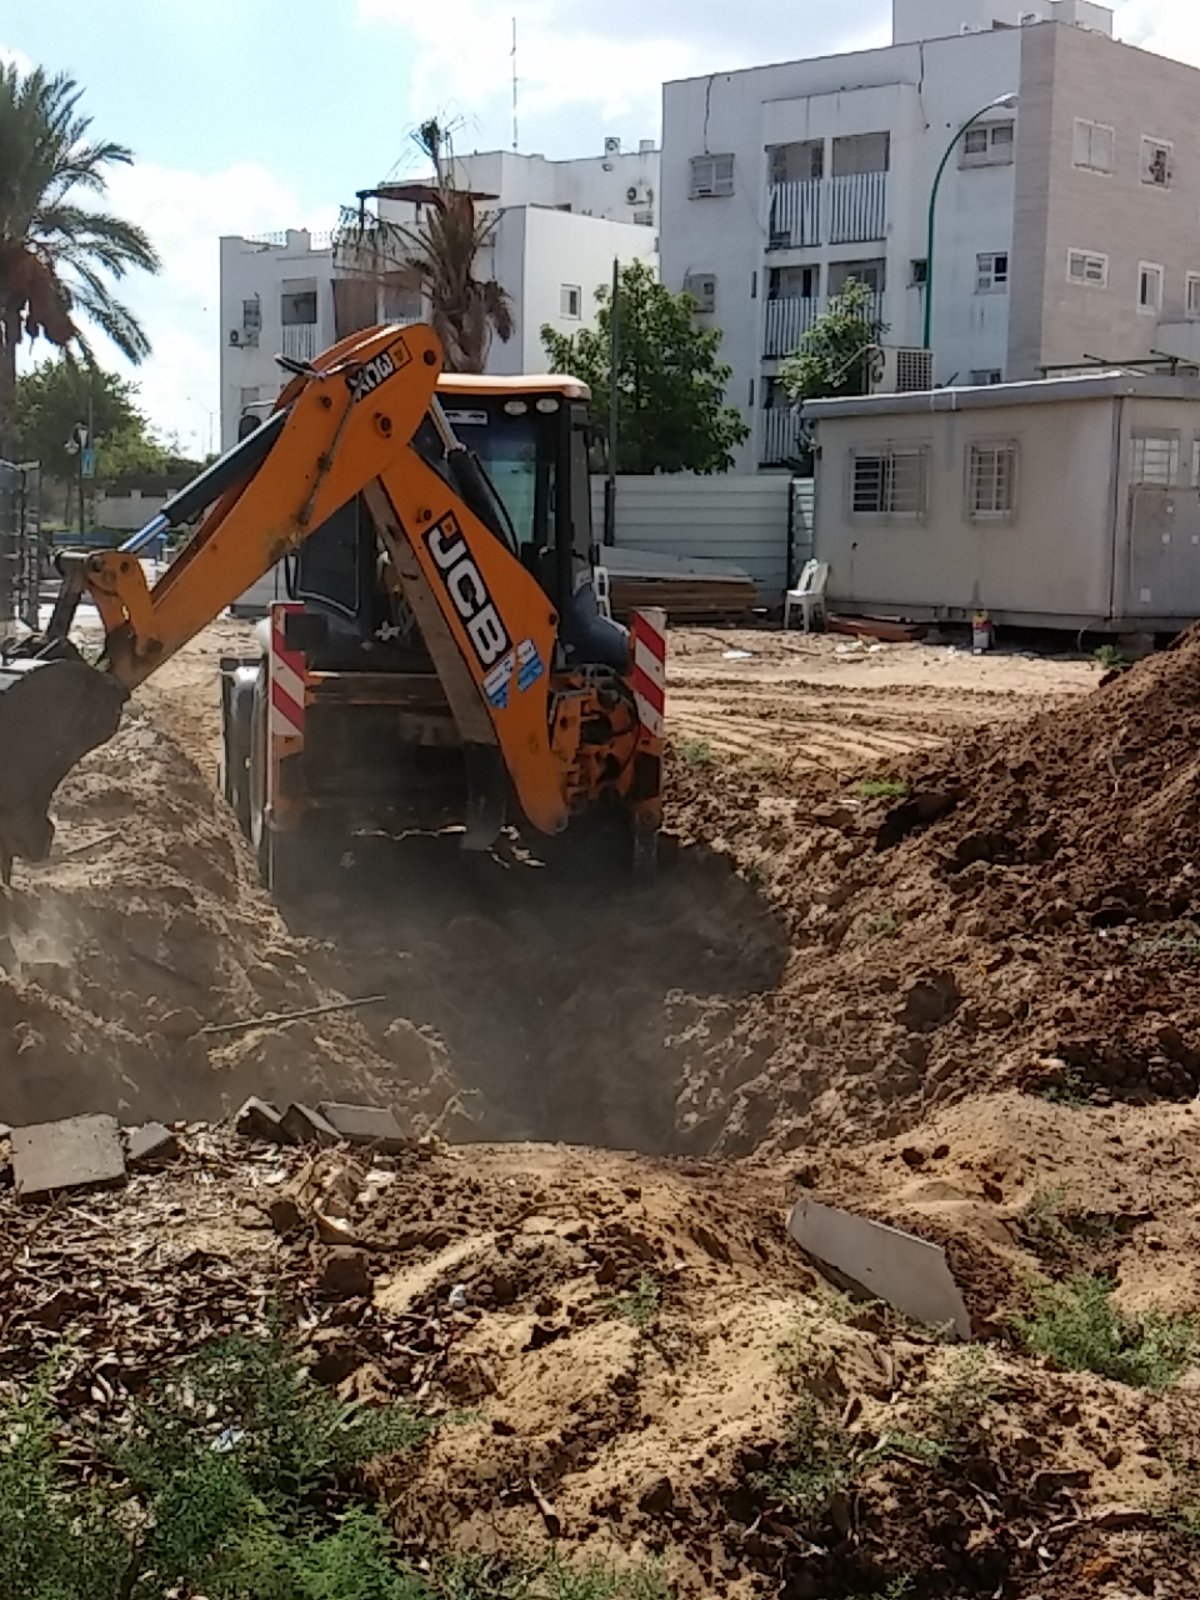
[762,524]
[20,543]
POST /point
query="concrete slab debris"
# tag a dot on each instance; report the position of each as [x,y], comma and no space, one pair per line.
[77,1153]
[302,1125]
[258,1120]
[905,1271]
[151,1145]
[373,1125]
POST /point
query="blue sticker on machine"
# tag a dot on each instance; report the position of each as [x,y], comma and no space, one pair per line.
[529,663]
[498,681]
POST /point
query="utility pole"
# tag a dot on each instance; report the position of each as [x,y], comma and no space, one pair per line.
[614,394]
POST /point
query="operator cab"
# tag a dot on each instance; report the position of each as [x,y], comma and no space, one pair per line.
[531,437]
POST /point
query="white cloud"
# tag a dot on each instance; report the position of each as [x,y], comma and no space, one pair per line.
[1170,27]
[10,54]
[185,213]
[611,59]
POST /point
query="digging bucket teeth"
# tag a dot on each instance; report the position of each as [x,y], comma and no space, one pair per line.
[52,712]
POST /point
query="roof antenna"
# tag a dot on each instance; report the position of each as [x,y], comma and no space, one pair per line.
[514,81]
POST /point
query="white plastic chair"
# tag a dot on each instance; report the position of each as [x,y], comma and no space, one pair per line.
[808,596]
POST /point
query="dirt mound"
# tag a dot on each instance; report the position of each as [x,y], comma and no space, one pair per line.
[631,1358]
[148,924]
[1026,913]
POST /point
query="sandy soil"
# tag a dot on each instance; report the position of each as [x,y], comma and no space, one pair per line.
[970,1008]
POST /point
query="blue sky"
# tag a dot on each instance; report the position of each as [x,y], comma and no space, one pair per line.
[253,115]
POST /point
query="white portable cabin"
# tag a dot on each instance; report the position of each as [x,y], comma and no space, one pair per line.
[1067,502]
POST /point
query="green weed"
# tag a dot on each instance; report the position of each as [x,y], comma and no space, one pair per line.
[695,752]
[641,1306]
[236,1480]
[1077,1325]
[1110,658]
[881,788]
[1181,947]
[818,1461]
[882,925]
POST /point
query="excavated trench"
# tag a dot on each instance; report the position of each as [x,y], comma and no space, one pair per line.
[572,1007]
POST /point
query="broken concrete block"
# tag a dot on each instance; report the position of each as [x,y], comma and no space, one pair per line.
[908,1273]
[373,1125]
[303,1125]
[78,1153]
[258,1120]
[149,1146]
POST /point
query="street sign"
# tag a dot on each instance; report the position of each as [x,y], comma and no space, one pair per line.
[87,462]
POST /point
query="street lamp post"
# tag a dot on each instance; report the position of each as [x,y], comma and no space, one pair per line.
[1003,102]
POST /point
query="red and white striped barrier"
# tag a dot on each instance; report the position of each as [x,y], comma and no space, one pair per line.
[649,631]
[287,675]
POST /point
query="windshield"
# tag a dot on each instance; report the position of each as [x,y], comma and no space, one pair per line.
[516,447]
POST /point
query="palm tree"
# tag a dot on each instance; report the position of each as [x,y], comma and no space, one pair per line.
[56,255]
[440,255]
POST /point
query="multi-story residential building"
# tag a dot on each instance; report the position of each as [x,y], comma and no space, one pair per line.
[1066,219]
[558,226]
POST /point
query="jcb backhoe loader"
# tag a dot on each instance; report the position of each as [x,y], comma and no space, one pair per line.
[443,661]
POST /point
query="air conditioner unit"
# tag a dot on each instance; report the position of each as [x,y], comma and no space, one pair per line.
[638,194]
[612,145]
[234,336]
[899,370]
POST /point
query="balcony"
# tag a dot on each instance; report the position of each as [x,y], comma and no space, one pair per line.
[796,214]
[300,341]
[851,210]
[788,320]
[778,433]
[790,317]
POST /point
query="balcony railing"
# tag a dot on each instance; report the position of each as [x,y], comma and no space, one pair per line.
[300,340]
[850,210]
[778,434]
[796,214]
[858,208]
[790,318]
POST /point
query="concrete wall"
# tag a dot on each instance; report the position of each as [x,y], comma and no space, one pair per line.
[592,185]
[741,520]
[1069,74]
[538,253]
[1053,558]
[253,267]
[935,19]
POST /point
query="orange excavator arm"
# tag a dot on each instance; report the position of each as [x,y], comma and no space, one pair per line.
[343,427]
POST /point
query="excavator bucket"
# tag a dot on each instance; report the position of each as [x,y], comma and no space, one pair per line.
[52,712]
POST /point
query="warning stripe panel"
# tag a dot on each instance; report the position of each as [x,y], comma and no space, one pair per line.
[650,637]
[644,660]
[288,678]
[290,711]
[645,688]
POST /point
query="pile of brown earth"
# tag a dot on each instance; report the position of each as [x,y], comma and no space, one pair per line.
[1025,913]
[633,1360]
[148,925]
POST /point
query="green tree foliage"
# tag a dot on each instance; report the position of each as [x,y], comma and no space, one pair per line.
[834,355]
[56,395]
[671,411]
[58,257]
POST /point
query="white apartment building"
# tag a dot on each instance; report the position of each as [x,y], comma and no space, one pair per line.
[1066,220]
[558,227]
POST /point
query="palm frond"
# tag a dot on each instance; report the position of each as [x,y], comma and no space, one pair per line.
[58,258]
